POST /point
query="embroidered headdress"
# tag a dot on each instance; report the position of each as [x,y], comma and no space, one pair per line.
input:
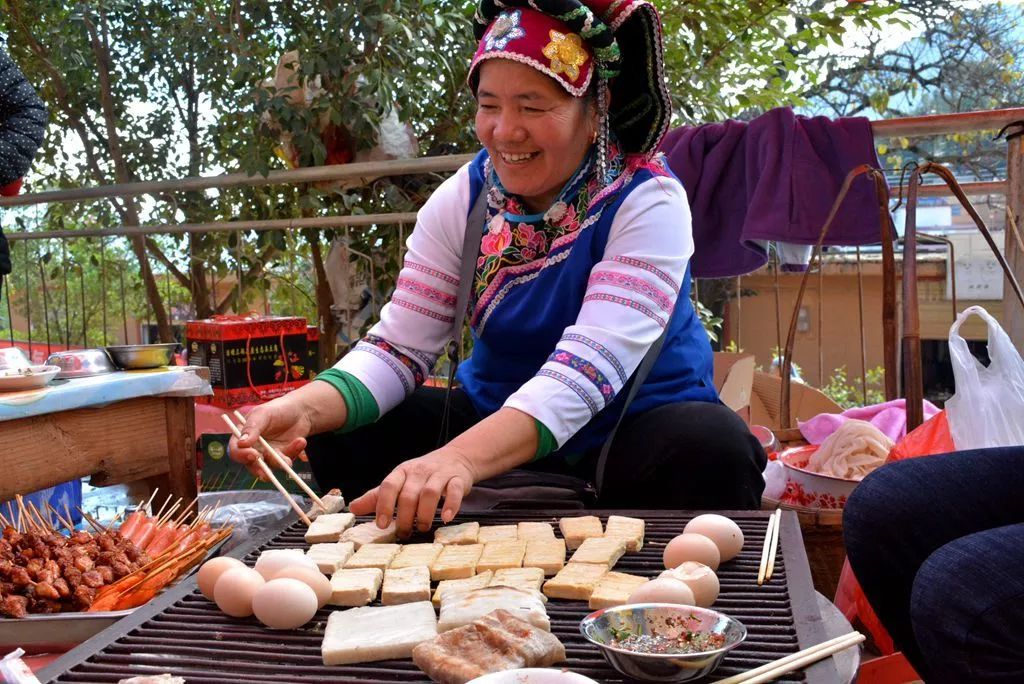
[616,42]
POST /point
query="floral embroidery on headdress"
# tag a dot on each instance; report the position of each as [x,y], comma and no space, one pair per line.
[566,53]
[504,30]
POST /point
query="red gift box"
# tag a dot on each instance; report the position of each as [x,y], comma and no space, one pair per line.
[251,358]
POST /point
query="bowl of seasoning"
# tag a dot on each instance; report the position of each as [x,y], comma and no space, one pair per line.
[663,642]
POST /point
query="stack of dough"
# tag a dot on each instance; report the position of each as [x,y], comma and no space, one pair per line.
[852,451]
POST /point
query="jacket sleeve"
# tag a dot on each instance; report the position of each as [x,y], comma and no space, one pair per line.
[23,120]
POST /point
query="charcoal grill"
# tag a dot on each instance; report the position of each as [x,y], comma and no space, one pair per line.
[183,633]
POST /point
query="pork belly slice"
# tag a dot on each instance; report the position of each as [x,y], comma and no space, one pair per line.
[363,635]
[498,641]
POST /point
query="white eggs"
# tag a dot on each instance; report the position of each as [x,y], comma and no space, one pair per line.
[212,570]
[234,590]
[284,603]
[726,534]
[701,580]
[275,560]
[691,547]
[663,590]
[314,579]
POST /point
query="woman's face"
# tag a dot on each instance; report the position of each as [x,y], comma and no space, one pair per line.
[536,133]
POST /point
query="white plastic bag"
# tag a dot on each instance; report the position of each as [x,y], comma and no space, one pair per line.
[988,407]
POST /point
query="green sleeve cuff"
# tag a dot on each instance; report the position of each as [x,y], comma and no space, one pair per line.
[362,407]
[545,441]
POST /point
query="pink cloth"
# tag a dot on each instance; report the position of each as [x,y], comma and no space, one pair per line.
[890,418]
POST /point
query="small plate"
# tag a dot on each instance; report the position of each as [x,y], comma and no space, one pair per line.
[33,377]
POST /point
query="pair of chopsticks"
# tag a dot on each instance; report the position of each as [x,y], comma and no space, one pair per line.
[771,544]
[283,464]
[796,661]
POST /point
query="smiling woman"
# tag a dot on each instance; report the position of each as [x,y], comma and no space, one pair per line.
[581,273]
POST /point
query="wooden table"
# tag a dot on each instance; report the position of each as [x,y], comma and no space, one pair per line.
[117,428]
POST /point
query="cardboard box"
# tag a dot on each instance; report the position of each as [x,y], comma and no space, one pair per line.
[805,402]
[734,380]
[250,359]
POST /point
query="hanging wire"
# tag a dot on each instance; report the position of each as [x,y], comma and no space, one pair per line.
[821,316]
[778,309]
[103,285]
[67,306]
[46,304]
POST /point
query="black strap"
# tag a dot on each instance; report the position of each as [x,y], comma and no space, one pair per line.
[467,274]
[634,386]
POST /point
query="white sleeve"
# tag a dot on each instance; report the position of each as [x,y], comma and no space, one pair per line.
[629,298]
[401,349]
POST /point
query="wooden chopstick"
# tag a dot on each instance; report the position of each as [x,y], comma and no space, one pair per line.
[795,661]
[284,466]
[774,545]
[762,570]
[270,475]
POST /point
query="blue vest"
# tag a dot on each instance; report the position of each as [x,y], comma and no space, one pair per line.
[527,324]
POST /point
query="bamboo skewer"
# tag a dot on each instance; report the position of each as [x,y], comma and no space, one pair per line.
[796,661]
[767,551]
[283,463]
[774,545]
[270,475]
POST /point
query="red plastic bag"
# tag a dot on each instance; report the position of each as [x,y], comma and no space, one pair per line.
[930,438]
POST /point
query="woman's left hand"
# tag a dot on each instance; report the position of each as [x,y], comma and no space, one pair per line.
[415,488]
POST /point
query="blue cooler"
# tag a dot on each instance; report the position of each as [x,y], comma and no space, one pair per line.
[65,496]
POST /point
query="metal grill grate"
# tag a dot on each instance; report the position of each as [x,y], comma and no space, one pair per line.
[186,635]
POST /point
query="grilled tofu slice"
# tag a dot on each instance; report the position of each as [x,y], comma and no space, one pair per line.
[575,582]
[369,533]
[548,555]
[502,554]
[334,502]
[457,561]
[364,635]
[355,587]
[614,589]
[630,530]
[405,585]
[466,533]
[373,556]
[499,641]
[462,608]
[456,585]
[331,557]
[495,533]
[521,578]
[575,530]
[412,555]
[604,551]
[535,531]
[329,527]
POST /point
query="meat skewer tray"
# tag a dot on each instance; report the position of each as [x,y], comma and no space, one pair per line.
[183,633]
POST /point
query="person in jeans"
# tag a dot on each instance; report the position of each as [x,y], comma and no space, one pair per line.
[937,544]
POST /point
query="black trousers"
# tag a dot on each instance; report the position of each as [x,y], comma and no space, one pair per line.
[937,544]
[689,455]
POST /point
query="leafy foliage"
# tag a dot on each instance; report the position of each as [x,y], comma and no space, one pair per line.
[848,392]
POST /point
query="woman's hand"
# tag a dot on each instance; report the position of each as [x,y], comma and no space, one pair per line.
[416,487]
[283,422]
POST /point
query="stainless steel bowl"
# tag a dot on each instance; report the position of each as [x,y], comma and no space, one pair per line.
[13,357]
[81,363]
[662,619]
[135,356]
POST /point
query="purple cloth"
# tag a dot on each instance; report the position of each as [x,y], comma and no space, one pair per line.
[889,417]
[772,179]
